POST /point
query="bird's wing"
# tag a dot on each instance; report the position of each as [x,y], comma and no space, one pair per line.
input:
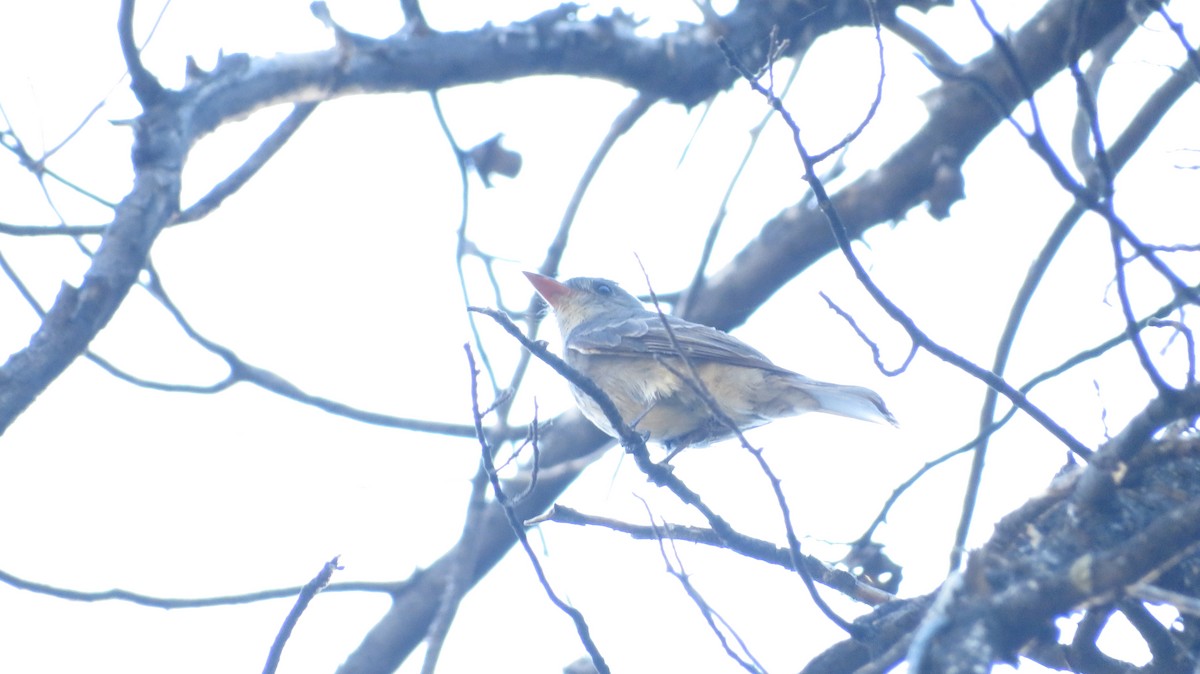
[644,335]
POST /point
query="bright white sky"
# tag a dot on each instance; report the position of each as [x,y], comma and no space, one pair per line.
[334,269]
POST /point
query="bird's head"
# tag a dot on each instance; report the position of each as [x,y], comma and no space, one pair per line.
[582,299]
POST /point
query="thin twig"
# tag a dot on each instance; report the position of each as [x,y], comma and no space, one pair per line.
[536,460]
[890,372]
[1105,177]
[893,310]
[464,245]
[693,380]
[1193,57]
[1188,337]
[307,593]
[581,626]
[1132,138]
[267,149]
[990,429]
[710,615]
[874,107]
[242,371]
[746,546]
[152,601]
[710,241]
[21,287]
[620,126]
[1097,201]
[162,12]
[51,230]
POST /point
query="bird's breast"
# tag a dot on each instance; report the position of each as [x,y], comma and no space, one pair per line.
[633,383]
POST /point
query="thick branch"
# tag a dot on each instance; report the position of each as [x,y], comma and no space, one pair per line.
[960,117]
[683,67]
[79,313]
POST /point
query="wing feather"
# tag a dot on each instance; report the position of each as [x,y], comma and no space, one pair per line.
[644,335]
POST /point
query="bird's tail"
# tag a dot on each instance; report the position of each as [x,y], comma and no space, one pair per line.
[855,402]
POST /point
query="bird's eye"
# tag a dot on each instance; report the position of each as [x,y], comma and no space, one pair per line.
[603,289]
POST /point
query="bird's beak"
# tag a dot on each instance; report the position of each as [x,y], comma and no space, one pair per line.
[552,291]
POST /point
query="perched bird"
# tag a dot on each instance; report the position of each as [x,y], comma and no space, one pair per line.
[623,347]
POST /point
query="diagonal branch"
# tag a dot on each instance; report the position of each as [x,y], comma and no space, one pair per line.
[960,117]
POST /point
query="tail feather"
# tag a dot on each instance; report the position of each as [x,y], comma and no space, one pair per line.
[855,402]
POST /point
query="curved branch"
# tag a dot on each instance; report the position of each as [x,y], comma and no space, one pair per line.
[145,86]
[683,67]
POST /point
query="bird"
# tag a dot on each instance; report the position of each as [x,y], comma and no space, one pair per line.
[623,347]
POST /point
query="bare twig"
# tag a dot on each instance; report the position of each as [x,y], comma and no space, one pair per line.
[51,230]
[710,615]
[151,601]
[247,169]
[620,126]
[143,83]
[987,431]
[1084,653]
[1182,329]
[1193,57]
[897,314]
[242,371]
[693,380]
[1132,138]
[1135,337]
[1098,201]
[37,167]
[746,546]
[1104,188]
[464,245]
[1104,473]
[581,626]
[536,460]
[104,101]
[23,289]
[890,372]
[1081,132]
[874,107]
[239,370]
[1157,595]
[307,593]
[710,241]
